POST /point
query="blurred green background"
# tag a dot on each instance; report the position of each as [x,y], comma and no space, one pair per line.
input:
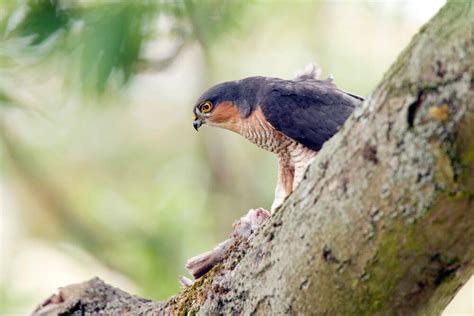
[101,172]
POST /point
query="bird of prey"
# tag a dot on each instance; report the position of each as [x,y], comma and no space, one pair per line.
[291,118]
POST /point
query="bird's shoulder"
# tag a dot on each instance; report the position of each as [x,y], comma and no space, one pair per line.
[309,111]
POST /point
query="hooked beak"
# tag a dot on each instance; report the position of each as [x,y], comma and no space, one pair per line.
[197,123]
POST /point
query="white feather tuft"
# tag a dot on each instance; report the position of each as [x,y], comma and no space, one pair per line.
[185,282]
[311,71]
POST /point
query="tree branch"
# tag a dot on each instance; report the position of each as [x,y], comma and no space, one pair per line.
[383,222]
[94,296]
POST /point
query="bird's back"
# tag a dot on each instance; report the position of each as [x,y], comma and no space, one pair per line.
[307,110]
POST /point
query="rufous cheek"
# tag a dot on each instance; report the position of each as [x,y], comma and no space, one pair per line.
[226,115]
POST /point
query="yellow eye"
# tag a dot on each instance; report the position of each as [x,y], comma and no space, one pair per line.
[205,107]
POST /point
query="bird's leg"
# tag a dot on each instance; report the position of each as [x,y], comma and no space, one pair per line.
[304,159]
[284,187]
[244,228]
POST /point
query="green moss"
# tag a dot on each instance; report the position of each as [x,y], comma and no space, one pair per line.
[379,288]
[188,302]
[465,152]
[466,143]
[444,169]
[423,252]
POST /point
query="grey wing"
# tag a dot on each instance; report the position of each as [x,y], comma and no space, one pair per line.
[309,112]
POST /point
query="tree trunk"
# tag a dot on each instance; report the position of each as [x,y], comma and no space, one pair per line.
[383,222]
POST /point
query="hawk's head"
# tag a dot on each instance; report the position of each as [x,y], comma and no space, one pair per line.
[223,105]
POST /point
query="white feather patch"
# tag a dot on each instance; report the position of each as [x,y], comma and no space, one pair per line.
[311,71]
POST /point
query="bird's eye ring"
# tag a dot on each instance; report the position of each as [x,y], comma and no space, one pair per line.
[205,107]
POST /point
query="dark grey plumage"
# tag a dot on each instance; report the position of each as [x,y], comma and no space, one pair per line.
[307,110]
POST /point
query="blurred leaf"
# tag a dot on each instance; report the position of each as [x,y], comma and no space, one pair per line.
[112,38]
[105,38]
[43,19]
[6,100]
[211,19]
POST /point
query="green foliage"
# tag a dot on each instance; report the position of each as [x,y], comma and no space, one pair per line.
[211,19]
[104,40]
[111,40]
[101,43]
[4,99]
[43,19]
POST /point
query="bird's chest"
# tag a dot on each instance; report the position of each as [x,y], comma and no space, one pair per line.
[262,134]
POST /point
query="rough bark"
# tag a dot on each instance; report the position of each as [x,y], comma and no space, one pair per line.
[383,222]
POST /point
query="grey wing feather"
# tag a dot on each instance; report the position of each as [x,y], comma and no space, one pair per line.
[309,111]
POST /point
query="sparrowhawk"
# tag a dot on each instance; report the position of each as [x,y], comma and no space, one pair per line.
[291,118]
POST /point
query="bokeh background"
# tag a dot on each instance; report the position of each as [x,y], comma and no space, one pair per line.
[101,172]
